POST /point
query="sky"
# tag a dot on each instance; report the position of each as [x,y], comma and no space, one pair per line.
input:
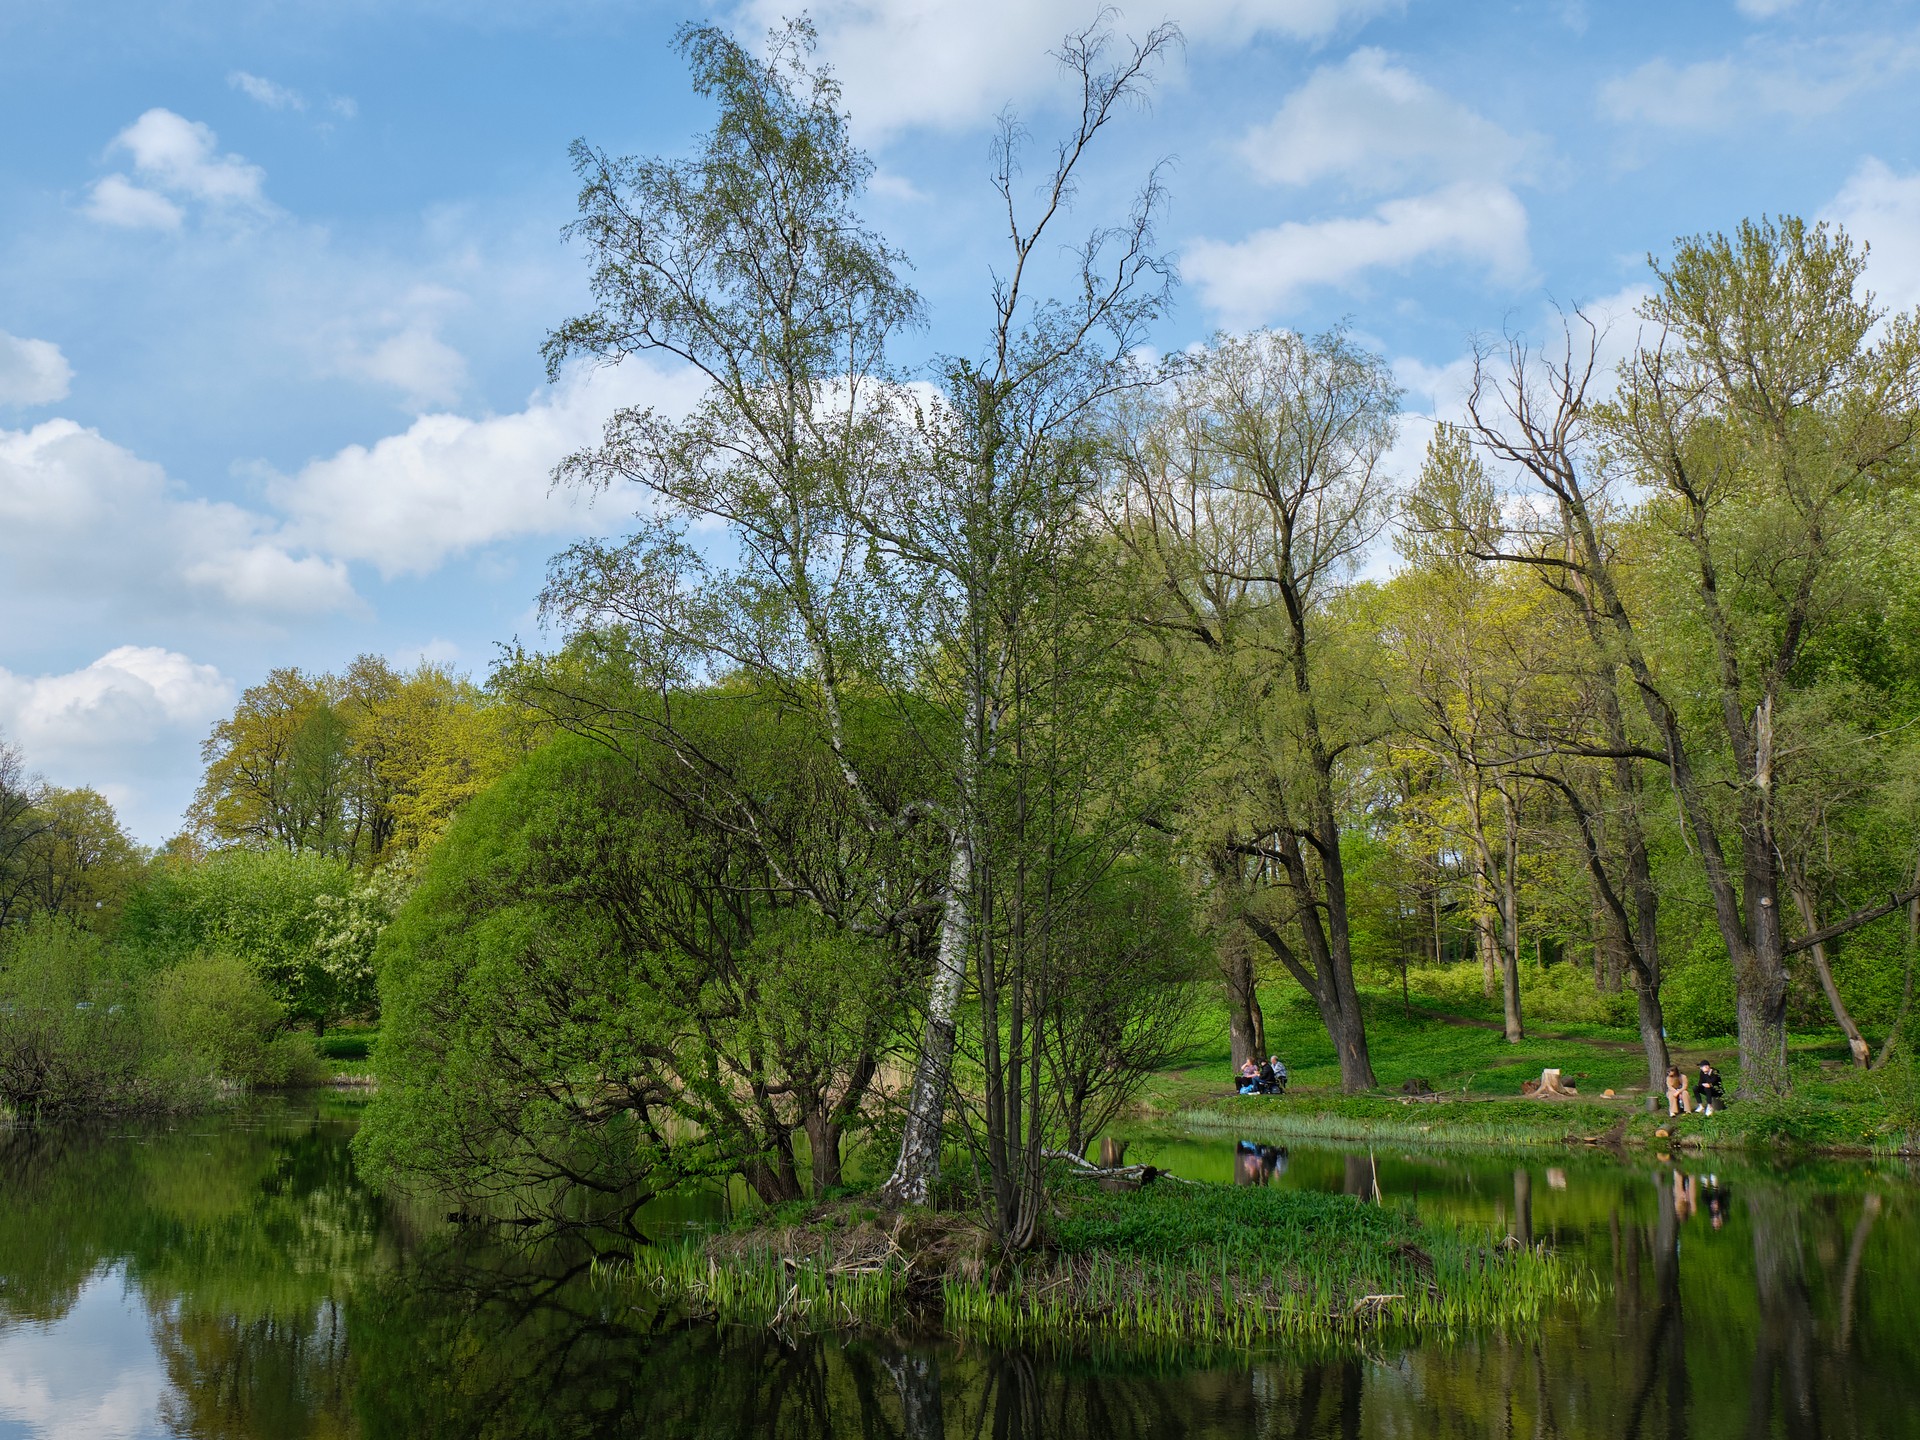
[274,276]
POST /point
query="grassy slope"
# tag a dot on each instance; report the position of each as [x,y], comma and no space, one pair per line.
[1478,1075]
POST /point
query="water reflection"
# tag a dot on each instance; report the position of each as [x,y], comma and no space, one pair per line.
[233,1279]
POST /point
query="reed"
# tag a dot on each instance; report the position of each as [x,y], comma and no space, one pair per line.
[1196,1267]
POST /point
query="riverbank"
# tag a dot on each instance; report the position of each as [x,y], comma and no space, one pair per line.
[1168,1263]
[1475,1076]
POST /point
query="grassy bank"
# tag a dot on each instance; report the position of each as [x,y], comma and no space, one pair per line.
[1199,1265]
[1476,1077]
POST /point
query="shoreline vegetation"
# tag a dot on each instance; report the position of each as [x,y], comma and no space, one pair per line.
[1173,1263]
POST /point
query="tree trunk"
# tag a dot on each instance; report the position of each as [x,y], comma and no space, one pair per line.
[1810,916]
[1246,1024]
[823,1146]
[1510,920]
[919,1163]
[1483,930]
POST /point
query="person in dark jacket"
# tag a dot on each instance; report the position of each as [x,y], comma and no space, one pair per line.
[1269,1083]
[1707,1091]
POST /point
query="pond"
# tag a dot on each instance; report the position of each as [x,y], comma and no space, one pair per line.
[230,1276]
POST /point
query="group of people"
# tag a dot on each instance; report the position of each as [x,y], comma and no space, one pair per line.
[1705,1094]
[1263,1077]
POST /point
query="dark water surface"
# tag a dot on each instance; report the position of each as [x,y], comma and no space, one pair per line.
[231,1277]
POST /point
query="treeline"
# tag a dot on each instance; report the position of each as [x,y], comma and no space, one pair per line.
[982,690]
[131,979]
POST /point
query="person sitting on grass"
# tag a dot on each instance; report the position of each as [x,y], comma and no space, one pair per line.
[1708,1092]
[1249,1076]
[1268,1083]
[1679,1102]
[1279,1068]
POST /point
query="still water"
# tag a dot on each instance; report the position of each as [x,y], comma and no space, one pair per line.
[231,1277]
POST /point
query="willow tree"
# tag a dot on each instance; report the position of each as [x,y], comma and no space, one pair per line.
[1255,483]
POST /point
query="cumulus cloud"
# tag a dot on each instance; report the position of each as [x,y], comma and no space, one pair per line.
[116,200]
[263,91]
[1764,78]
[1251,280]
[1374,124]
[126,695]
[83,520]
[448,485]
[176,159]
[933,63]
[1883,208]
[32,372]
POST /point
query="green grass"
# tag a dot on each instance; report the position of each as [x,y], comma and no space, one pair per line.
[1477,1075]
[1208,1266]
[348,1044]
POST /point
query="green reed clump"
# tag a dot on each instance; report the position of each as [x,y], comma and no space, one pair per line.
[1224,1266]
[762,1286]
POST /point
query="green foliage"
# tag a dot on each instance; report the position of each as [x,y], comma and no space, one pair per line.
[262,906]
[347,930]
[518,1062]
[1698,993]
[72,1035]
[213,1017]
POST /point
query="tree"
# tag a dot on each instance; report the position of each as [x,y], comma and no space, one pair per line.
[1251,490]
[1761,416]
[621,993]
[358,766]
[21,826]
[993,565]
[854,573]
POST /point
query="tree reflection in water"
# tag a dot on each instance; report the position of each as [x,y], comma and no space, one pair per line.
[284,1300]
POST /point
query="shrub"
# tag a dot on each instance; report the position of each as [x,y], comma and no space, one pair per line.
[213,1017]
[72,1036]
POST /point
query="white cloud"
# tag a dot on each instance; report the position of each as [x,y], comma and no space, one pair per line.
[84,521]
[178,156]
[1251,280]
[416,362]
[116,200]
[448,484]
[266,92]
[32,372]
[125,695]
[1764,78]
[94,1373]
[1883,208]
[1763,9]
[934,63]
[1376,125]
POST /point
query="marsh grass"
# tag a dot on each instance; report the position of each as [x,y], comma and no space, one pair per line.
[1195,1266]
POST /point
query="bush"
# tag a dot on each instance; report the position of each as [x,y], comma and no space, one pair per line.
[213,1017]
[72,1037]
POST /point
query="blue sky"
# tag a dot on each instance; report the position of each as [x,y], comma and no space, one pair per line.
[274,276]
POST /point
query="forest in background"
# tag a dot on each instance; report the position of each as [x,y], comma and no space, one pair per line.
[1042,687]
